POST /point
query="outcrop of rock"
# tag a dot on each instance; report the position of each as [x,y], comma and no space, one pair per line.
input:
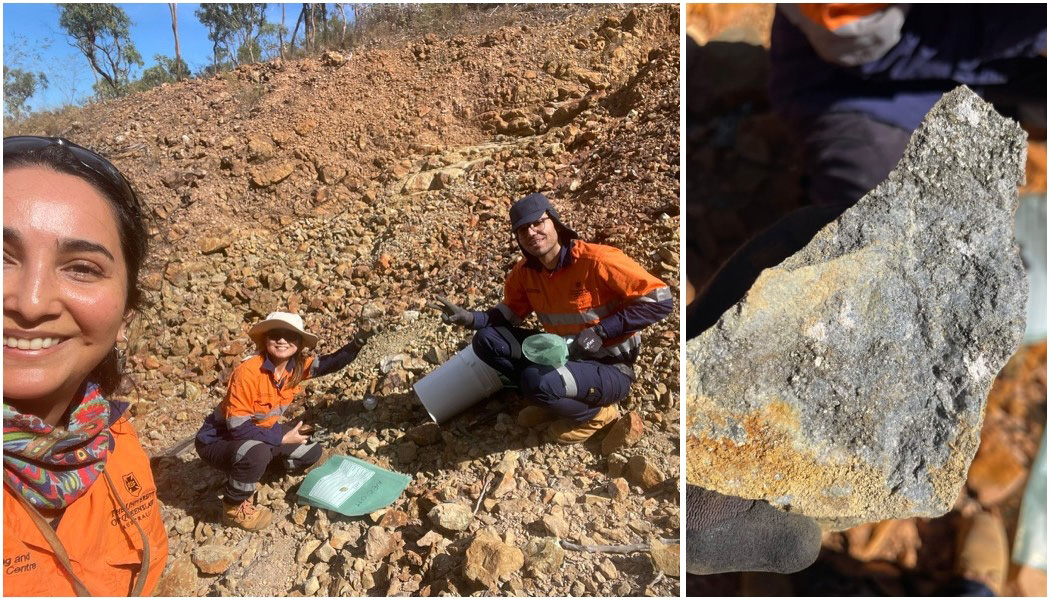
[849,383]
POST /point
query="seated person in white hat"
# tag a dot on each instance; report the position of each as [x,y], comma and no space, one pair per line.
[243,436]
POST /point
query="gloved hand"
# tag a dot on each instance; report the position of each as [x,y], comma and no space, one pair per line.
[589,341]
[363,334]
[450,313]
[727,534]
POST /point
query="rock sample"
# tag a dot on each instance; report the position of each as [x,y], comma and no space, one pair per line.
[849,383]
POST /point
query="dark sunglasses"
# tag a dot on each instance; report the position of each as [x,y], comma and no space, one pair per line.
[285,334]
[90,160]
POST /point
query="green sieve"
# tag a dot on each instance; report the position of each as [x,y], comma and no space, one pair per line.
[546,349]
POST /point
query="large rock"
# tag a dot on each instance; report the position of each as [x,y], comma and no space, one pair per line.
[488,559]
[850,382]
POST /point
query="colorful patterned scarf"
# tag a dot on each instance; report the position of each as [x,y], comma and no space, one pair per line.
[53,466]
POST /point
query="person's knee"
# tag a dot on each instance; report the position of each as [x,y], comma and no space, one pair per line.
[540,384]
[312,455]
[487,342]
[258,455]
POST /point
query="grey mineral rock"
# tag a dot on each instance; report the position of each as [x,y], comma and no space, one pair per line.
[849,383]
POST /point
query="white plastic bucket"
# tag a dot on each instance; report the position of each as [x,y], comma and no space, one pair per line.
[463,381]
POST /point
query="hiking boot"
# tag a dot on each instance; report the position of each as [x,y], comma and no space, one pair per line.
[246,515]
[566,432]
[533,416]
[982,554]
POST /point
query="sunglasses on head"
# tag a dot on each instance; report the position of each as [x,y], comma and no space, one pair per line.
[90,160]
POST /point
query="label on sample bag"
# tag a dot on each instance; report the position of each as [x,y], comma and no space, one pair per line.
[351,487]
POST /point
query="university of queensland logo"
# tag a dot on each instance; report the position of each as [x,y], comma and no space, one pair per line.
[132,484]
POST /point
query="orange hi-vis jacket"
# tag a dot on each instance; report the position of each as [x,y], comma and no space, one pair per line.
[254,396]
[597,283]
[105,549]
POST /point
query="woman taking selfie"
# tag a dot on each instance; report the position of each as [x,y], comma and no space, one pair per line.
[81,515]
[242,437]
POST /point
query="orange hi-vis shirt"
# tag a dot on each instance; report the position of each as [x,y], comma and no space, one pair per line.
[598,282]
[254,396]
[104,547]
[834,15]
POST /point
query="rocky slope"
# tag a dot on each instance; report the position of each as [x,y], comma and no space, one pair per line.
[352,188]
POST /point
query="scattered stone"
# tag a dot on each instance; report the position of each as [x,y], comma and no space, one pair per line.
[380,543]
[556,526]
[851,379]
[642,472]
[488,560]
[259,149]
[180,580]
[325,553]
[213,559]
[451,516]
[665,557]
[185,525]
[624,434]
[607,568]
[424,435]
[544,556]
[332,58]
[306,549]
[211,245]
[265,177]
[619,490]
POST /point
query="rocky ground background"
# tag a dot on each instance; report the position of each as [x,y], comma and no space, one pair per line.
[742,175]
[352,188]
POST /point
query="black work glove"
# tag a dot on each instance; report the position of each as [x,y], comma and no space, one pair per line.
[450,313]
[727,534]
[590,340]
[362,335]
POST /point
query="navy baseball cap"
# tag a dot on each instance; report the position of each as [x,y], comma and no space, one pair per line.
[531,208]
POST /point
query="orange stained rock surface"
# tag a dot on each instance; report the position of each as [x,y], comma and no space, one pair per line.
[704,22]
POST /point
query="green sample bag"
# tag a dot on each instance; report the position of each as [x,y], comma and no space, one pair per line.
[351,487]
[546,349]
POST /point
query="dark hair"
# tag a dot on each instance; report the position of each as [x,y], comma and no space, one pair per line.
[65,157]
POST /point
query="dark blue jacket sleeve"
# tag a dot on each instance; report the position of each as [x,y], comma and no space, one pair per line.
[490,318]
[636,316]
[330,363]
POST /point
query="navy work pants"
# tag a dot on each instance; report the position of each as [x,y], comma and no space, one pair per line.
[245,461]
[574,392]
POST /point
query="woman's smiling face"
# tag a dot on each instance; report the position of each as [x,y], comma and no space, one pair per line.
[282,344]
[65,284]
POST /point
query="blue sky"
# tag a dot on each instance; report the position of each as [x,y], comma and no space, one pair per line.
[33,40]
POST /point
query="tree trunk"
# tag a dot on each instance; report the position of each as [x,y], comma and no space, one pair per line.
[280,35]
[323,9]
[175,30]
[342,17]
[302,13]
[308,26]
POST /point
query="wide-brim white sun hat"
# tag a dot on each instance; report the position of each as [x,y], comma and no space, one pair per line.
[281,320]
